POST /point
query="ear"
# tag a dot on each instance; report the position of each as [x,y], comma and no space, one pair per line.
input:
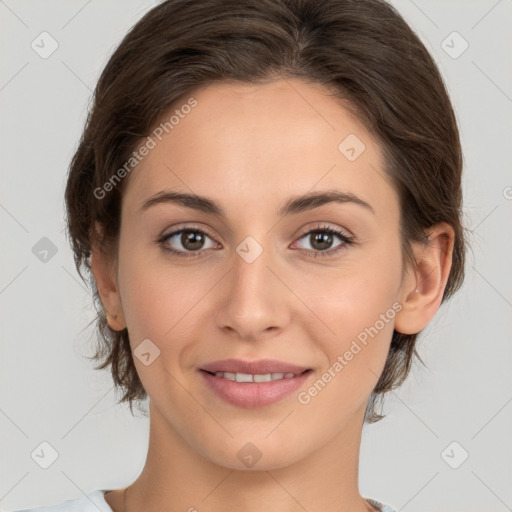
[104,272]
[423,286]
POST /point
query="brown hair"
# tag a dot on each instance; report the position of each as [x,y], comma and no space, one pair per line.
[362,50]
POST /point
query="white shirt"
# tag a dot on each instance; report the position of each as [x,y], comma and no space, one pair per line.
[95,502]
[92,502]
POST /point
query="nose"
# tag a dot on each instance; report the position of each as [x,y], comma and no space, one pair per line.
[254,302]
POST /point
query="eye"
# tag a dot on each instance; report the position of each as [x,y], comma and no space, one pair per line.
[187,242]
[190,241]
[322,239]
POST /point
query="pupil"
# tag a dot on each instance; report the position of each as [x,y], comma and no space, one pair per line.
[322,240]
[192,240]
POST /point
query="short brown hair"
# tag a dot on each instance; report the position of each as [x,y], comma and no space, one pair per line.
[361,49]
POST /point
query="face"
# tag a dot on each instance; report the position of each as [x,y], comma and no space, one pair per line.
[317,285]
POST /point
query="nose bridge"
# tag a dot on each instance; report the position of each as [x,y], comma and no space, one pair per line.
[250,267]
[254,301]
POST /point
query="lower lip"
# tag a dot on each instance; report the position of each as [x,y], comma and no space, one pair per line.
[254,394]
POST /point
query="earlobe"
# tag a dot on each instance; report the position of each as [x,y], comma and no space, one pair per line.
[424,285]
[115,323]
[103,270]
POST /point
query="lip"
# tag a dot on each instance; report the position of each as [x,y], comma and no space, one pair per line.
[254,394]
[261,366]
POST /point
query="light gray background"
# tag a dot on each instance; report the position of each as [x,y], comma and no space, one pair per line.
[49,391]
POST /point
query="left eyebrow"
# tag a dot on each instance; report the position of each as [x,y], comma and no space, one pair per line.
[316,199]
[294,205]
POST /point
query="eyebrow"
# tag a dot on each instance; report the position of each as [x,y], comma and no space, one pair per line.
[294,205]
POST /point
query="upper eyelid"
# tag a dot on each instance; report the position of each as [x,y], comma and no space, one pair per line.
[179,228]
[343,231]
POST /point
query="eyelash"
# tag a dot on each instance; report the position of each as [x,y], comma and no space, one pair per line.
[347,241]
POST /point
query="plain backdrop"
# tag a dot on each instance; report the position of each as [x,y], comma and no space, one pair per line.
[459,406]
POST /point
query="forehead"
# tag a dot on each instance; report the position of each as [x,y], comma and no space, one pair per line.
[243,143]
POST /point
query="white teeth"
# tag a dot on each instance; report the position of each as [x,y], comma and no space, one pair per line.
[243,377]
[249,377]
[267,377]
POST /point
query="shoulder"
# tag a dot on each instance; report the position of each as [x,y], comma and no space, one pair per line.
[92,502]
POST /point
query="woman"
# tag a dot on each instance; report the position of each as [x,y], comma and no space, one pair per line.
[267,195]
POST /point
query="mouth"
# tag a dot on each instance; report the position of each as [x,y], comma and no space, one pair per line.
[256,377]
[253,384]
[259,367]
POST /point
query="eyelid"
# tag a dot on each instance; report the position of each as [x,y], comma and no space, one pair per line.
[326,226]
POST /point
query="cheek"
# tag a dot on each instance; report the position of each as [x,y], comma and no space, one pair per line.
[353,296]
[357,305]
[168,304]
[362,321]
[157,299]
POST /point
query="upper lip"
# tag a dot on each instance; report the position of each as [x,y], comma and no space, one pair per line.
[261,366]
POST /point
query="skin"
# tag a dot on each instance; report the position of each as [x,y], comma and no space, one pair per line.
[250,148]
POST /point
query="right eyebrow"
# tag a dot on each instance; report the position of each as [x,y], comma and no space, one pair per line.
[193,201]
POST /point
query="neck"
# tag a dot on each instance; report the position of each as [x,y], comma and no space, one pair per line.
[177,477]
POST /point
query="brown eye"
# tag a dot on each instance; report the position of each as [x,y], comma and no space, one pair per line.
[185,241]
[321,241]
[192,240]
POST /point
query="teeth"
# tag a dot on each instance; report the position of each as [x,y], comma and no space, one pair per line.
[243,377]
[249,377]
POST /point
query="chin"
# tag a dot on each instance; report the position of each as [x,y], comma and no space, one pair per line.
[258,455]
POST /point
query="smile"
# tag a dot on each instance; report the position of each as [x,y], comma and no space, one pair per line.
[249,377]
[254,390]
